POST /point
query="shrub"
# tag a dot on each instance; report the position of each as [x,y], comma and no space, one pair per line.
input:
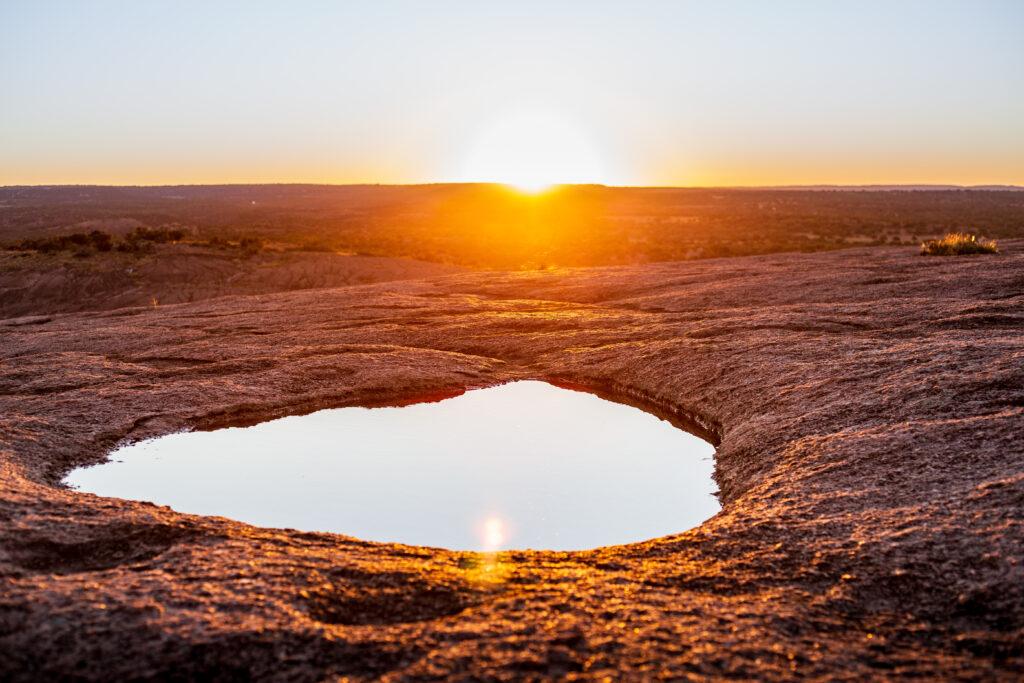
[142,233]
[51,245]
[251,243]
[958,243]
[315,245]
[103,241]
[130,246]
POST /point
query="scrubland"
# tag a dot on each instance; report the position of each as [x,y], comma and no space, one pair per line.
[492,227]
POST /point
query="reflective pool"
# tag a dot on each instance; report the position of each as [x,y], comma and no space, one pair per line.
[524,465]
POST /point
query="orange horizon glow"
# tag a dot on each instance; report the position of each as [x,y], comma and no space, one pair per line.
[682,175]
[525,191]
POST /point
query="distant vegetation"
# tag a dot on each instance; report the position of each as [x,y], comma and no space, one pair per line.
[956,243]
[79,242]
[138,241]
[491,227]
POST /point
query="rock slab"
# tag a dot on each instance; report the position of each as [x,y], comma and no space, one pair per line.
[867,406]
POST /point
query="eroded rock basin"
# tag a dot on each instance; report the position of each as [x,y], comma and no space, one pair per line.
[524,465]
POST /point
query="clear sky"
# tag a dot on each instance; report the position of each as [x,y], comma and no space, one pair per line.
[638,93]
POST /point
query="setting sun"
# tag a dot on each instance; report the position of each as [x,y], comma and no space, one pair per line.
[532,150]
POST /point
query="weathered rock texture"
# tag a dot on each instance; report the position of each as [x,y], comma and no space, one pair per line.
[177,273]
[867,407]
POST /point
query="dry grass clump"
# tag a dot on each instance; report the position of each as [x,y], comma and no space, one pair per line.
[958,243]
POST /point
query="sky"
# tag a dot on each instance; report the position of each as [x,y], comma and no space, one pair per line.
[670,92]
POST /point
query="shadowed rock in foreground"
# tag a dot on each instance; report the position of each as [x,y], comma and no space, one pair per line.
[867,406]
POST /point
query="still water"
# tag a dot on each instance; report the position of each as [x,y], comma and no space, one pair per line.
[524,465]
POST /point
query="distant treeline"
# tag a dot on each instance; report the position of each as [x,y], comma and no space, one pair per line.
[139,240]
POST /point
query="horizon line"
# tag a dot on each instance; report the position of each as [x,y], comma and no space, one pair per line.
[791,186]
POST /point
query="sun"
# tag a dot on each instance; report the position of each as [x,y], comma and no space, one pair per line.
[533,149]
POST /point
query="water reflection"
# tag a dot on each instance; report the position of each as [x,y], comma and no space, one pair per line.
[524,465]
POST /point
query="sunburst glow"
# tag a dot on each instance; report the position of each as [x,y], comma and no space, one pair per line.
[494,534]
[532,150]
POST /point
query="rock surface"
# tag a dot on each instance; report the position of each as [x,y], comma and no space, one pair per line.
[177,273]
[866,404]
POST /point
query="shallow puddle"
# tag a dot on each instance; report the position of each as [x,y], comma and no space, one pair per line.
[524,465]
